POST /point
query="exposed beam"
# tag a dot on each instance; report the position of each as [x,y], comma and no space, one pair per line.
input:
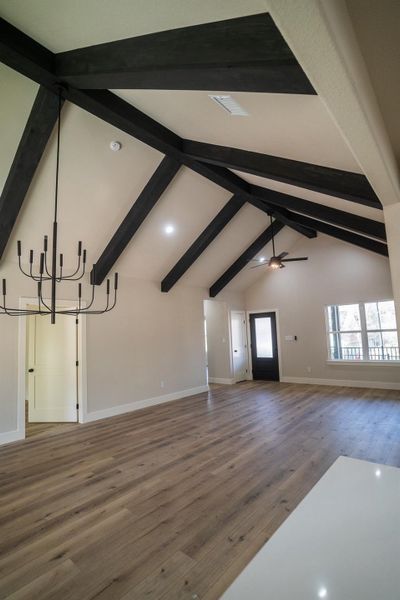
[147,199]
[209,234]
[321,212]
[29,58]
[334,182]
[344,235]
[40,124]
[241,54]
[245,258]
[284,216]
[23,54]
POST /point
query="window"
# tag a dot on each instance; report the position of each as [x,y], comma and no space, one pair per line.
[365,331]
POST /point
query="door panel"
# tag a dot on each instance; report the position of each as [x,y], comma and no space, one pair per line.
[239,345]
[264,346]
[52,369]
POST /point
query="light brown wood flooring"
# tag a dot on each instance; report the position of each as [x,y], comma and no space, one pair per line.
[171,502]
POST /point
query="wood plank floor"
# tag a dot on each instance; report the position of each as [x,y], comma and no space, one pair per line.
[171,502]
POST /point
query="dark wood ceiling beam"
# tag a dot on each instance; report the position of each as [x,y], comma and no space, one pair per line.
[241,54]
[245,258]
[284,216]
[23,54]
[344,235]
[40,124]
[209,234]
[147,199]
[334,182]
[321,212]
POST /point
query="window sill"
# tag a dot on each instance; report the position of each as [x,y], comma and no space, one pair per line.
[374,363]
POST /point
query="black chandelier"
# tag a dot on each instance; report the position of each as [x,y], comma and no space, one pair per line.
[53,273]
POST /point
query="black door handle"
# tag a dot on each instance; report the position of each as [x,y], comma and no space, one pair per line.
[31,370]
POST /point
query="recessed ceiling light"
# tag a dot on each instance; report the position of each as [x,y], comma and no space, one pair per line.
[230,105]
[322,592]
[378,473]
[261,259]
[169,229]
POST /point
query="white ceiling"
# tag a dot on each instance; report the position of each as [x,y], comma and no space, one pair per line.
[98,186]
[289,125]
[62,26]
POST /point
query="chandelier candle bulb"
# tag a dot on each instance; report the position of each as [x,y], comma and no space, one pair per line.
[4,287]
[19,248]
[41,267]
[61,261]
[116,281]
[31,257]
[108,287]
[84,257]
[45,241]
[79,248]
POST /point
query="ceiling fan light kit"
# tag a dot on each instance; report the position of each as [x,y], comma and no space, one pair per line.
[53,272]
[276,261]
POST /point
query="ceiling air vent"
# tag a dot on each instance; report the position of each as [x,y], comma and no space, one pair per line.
[230,105]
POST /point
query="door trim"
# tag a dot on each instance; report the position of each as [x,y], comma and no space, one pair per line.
[82,365]
[278,338]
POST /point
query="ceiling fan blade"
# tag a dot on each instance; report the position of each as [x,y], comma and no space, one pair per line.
[282,255]
[263,264]
[295,259]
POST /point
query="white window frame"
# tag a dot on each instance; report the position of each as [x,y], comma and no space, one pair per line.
[364,337]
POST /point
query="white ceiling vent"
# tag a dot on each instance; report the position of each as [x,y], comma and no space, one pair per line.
[230,105]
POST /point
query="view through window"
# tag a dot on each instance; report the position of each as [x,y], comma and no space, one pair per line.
[364,331]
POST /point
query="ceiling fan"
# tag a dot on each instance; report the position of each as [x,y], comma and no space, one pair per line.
[276,261]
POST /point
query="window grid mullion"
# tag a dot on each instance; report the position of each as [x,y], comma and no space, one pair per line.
[364,334]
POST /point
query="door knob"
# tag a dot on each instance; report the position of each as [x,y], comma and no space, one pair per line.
[235,350]
[31,370]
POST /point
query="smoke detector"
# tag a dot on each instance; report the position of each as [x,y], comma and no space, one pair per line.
[115,146]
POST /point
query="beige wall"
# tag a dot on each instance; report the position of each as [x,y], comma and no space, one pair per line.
[336,273]
[151,345]
[392,221]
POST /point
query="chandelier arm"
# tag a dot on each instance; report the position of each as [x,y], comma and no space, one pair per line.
[72,275]
[21,269]
[72,278]
[45,265]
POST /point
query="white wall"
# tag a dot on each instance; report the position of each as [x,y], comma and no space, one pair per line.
[336,273]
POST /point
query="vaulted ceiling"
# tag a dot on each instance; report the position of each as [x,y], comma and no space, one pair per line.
[184,160]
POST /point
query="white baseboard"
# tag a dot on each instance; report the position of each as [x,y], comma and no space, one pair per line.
[379,385]
[113,411]
[222,380]
[11,436]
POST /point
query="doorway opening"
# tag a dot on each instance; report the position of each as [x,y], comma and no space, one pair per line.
[239,345]
[264,346]
[52,382]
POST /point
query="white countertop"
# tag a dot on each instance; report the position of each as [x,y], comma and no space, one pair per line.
[341,543]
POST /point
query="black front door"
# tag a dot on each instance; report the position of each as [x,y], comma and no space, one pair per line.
[264,346]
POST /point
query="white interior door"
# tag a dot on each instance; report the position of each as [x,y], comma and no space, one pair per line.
[239,345]
[52,370]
